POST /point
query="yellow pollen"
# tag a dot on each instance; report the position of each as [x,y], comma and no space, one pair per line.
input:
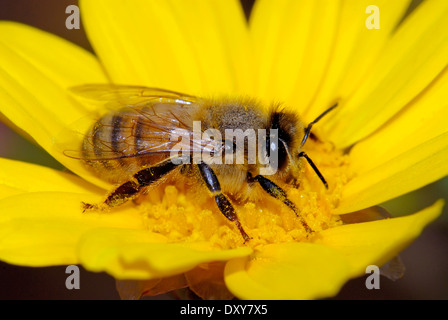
[188,214]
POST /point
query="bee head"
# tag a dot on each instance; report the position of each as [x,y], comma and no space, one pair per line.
[289,147]
[289,129]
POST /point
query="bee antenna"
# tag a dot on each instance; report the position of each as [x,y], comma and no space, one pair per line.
[310,125]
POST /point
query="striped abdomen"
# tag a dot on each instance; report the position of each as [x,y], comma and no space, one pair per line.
[125,141]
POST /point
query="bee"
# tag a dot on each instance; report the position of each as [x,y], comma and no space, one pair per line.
[132,146]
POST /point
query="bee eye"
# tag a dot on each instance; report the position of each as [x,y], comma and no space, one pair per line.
[271,146]
[279,149]
[276,152]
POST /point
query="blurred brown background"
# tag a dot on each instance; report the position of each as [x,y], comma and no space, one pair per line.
[426,260]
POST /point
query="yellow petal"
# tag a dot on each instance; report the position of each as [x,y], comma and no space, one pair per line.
[60,60]
[408,171]
[140,254]
[7,191]
[355,49]
[194,47]
[287,35]
[423,120]
[34,80]
[40,67]
[287,271]
[412,59]
[25,177]
[376,242]
[44,228]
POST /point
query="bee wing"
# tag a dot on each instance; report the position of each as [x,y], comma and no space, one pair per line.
[118,96]
[140,122]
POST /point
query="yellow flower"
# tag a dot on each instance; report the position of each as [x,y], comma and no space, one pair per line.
[388,137]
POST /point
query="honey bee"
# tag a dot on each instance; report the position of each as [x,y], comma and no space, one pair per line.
[132,146]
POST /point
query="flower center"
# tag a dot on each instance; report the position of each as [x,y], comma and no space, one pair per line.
[189,213]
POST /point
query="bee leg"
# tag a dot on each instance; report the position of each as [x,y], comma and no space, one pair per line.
[141,197]
[275,191]
[132,189]
[222,201]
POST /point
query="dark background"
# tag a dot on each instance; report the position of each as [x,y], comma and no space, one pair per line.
[426,260]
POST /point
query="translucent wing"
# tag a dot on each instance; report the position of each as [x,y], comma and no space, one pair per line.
[113,96]
[139,122]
